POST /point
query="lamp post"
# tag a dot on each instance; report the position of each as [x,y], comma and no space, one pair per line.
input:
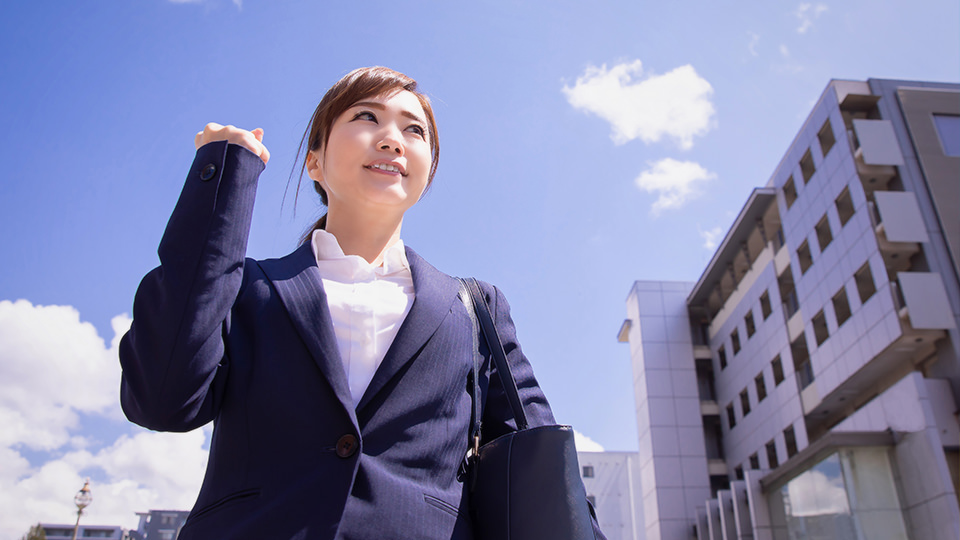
[82,499]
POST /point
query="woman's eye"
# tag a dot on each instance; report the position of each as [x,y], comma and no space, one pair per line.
[365,115]
[418,130]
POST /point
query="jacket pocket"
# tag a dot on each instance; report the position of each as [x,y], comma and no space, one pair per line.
[236,497]
[442,505]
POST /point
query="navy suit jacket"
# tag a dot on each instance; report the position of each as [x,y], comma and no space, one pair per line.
[250,346]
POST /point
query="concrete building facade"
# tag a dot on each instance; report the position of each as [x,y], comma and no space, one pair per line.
[612,482]
[805,386]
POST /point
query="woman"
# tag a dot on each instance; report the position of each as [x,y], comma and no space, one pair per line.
[337,376]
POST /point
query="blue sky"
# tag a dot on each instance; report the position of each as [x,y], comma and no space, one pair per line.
[583,146]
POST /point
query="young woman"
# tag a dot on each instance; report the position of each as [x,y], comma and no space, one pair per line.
[337,376]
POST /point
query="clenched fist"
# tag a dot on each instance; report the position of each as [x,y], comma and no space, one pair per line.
[251,140]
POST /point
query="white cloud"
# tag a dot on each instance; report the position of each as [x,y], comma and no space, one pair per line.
[784,51]
[813,493]
[676,104]
[676,182]
[585,444]
[711,238]
[806,13]
[754,41]
[54,368]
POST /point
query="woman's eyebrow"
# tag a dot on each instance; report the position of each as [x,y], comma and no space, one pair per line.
[382,107]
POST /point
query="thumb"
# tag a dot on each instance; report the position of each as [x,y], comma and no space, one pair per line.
[258,133]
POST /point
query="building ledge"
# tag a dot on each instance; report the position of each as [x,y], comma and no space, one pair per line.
[820,449]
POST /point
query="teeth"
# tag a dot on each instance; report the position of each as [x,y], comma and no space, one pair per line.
[386,167]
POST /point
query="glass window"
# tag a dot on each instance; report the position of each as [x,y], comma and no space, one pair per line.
[765,305]
[748,321]
[722,356]
[948,128]
[841,306]
[807,167]
[803,255]
[772,455]
[826,138]
[824,235]
[777,366]
[731,416]
[735,340]
[588,471]
[851,494]
[745,402]
[865,285]
[844,206]
[761,387]
[789,192]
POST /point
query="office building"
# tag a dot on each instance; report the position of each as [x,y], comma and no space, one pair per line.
[806,385]
[612,481]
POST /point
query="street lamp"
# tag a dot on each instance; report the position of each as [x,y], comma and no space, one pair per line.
[82,499]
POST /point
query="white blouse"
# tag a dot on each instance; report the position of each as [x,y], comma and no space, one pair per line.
[367,304]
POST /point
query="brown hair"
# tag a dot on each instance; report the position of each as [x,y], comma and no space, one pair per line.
[357,85]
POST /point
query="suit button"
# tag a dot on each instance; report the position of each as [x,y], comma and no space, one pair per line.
[347,446]
[207,172]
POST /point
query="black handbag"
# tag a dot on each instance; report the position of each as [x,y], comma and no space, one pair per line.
[523,485]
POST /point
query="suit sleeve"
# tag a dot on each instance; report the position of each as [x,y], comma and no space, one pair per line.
[173,355]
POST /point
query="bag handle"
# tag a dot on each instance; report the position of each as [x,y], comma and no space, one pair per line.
[480,313]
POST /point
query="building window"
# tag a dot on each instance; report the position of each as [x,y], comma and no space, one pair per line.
[745,402]
[948,128]
[748,322]
[761,387]
[790,438]
[820,327]
[722,356]
[841,306]
[850,494]
[592,499]
[765,305]
[731,416]
[801,362]
[807,167]
[865,285]
[738,472]
[803,255]
[772,455]
[789,192]
[844,206]
[824,235]
[777,366]
[735,340]
[826,138]
[588,471]
[754,461]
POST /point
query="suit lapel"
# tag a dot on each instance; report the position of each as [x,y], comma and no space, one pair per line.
[435,293]
[297,281]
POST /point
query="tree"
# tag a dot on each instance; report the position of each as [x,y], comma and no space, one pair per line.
[35,533]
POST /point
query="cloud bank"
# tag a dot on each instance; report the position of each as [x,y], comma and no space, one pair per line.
[56,372]
[676,105]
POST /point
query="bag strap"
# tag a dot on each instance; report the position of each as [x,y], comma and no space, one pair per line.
[480,313]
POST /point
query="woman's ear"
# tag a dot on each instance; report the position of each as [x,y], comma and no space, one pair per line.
[314,167]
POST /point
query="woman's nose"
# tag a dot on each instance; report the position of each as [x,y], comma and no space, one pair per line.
[391,140]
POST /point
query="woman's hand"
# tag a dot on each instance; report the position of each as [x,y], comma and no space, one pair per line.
[251,140]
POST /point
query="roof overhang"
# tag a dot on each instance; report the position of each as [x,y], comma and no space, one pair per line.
[754,209]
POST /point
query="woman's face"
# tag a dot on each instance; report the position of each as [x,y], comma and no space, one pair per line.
[377,156]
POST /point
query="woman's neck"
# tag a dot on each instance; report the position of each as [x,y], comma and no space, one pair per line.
[364,235]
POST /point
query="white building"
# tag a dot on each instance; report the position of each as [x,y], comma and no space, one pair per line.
[806,386]
[612,481]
